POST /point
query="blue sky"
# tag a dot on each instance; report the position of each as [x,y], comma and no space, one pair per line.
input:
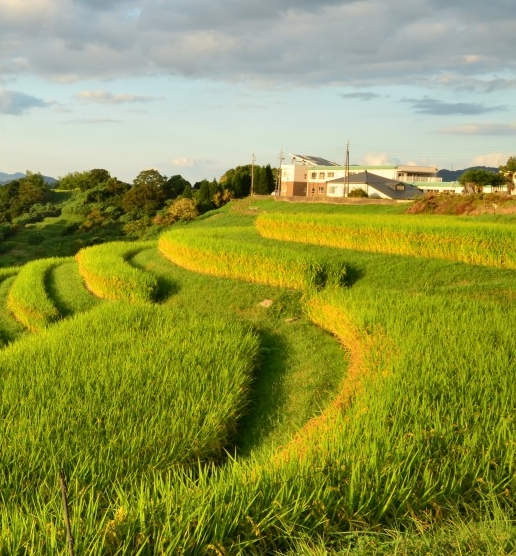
[194,87]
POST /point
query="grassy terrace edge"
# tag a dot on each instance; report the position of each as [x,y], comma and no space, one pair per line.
[448,237]
[235,253]
[108,274]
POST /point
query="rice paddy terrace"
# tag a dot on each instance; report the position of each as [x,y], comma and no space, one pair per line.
[269,379]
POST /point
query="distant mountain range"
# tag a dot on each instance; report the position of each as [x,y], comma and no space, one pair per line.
[454,175]
[6,178]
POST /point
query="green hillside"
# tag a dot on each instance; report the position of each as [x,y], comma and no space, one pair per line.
[271,378]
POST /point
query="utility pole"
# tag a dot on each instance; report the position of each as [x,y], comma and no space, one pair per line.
[253,160]
[346,172]
[278,176]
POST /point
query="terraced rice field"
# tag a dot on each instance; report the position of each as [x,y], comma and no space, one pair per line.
[219,393]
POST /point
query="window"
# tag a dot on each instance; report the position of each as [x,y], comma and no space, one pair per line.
[331,174]
[321,175]
[332,190]
[321,190]
[314,175]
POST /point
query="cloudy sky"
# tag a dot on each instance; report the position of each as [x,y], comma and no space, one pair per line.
[194,87]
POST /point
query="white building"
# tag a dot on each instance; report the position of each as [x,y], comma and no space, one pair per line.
[309,176]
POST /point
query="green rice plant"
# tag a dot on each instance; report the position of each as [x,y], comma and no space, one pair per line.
[107,271]
[445,237]
[28,298]
[67,289]
[118,393]
[8,272]
[236,253]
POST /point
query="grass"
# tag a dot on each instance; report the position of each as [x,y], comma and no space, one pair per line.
[108,274]
[235,252]
[28,298]
[119,392]
[68,291]
[411,451]
[10,328]
[450,238]
[294,382]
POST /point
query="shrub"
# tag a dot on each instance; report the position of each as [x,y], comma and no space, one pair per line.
[358,192]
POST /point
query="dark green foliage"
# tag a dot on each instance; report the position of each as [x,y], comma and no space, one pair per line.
[84,180]
[187,192]
[204,197]
[147,195]
[263,180]
[18,196]
[479,178]
[238,180]
[35,238]
[358,192]
[175,186]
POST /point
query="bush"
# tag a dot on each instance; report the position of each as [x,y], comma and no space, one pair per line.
[183,209]
[359,192]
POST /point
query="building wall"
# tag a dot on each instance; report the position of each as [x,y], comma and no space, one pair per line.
[312,181]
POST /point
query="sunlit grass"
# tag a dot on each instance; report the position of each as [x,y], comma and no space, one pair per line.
[108,274]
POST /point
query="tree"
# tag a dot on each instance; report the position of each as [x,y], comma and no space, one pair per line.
[187,192]
[204,197]
[84,180]
[509,171]
[478,178]
[18,196]
[151,178]
[175,187]
[238,180]
[147,195]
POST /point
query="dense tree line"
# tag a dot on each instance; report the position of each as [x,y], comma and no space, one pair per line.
[18,197]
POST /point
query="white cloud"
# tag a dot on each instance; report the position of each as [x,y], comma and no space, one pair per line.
[182,162]
[106,97]
[482,129]
[378,159]
[492,159]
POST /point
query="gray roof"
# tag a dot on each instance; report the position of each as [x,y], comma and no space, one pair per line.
[391,188]
[312,160]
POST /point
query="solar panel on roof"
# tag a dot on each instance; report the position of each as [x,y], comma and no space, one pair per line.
[313,160]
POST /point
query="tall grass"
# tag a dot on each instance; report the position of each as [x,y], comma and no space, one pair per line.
[9,327]
[235,253]
[28,298]
[67,289]
[469,241]
[421,433]
[109,275]
[116,395]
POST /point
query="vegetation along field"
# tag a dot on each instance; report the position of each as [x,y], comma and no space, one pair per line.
[269,378]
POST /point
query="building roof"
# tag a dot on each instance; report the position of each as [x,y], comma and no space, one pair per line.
[391,188]
[312,160]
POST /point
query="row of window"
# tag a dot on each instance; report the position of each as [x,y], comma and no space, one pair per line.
[322,175]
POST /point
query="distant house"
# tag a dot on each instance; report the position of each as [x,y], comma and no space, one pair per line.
[312,176]
[374,185]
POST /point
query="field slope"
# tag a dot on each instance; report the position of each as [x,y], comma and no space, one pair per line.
[342,386]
